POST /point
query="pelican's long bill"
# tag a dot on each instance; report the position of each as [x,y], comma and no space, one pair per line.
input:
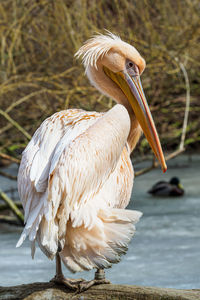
[132,88]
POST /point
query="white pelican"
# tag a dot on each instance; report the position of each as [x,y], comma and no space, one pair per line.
[76,176]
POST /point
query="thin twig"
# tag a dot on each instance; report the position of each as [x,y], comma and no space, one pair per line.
[4,174]
[8,157]
[187,105]
[5,206]
[5,128]
[23,99]
[12,206]
[156,164]
[14,123]
[9,220]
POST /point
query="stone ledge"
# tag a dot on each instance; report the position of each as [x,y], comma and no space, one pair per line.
[51,291]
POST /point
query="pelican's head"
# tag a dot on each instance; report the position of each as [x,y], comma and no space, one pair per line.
[114,67]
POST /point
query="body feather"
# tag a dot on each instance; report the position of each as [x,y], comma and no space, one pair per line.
[74,184]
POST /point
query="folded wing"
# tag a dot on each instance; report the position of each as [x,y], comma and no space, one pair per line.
[68,160]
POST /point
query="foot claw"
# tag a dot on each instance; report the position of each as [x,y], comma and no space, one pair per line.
[69,283]
[87,284]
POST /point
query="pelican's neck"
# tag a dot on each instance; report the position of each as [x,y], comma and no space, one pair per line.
[135,132]
[105,85]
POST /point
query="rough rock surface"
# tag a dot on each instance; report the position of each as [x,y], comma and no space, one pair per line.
[51,291]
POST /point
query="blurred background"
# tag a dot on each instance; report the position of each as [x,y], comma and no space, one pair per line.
[39,76]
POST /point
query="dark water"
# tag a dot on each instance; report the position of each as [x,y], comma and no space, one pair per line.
[165,251]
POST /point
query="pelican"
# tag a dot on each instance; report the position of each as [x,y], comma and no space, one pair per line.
[75,178]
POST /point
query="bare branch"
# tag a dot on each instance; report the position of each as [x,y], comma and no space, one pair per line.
[14,123]
[5,128]
[12,177]
[8,157]
[9,220]
[187,105]
[5,206]
[12,206]
[156,164]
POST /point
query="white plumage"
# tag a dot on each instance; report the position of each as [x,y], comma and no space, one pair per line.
[76,176]
[71,186]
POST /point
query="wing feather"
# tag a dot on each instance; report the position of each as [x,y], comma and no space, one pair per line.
[64,166]
[83,167]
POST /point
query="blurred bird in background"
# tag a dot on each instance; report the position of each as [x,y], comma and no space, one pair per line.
[163,188]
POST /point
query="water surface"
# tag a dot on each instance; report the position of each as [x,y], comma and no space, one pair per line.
[163,253]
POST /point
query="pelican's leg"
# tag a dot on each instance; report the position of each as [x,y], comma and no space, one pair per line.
[99,278]
[60,278]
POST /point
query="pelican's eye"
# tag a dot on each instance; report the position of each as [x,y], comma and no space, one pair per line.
[132,68]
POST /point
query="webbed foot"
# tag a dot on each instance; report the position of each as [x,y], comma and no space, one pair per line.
[72,284]
[85,285]
[99,279]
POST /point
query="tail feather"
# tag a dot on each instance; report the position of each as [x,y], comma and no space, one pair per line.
[94,243]
[102,245]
